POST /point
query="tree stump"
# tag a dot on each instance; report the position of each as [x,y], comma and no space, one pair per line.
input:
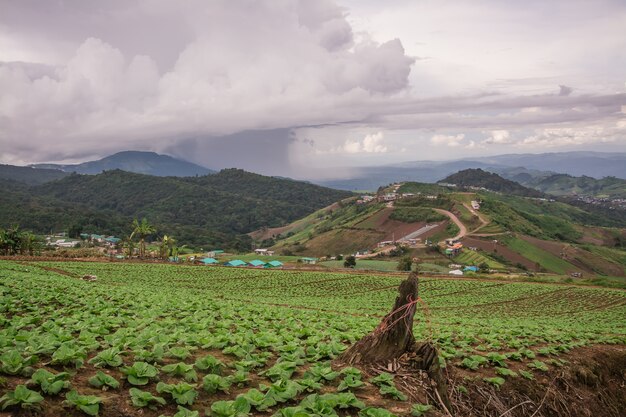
[392,345]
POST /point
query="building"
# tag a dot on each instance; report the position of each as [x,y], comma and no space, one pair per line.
[475,205]
[308,261]
[256,264]
[454,249]
[214,253]
[264,252]
[112,240]
[236,262]
[64,243]
[385,243]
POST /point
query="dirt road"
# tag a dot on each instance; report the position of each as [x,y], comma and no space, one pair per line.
[461,226]
[483,221]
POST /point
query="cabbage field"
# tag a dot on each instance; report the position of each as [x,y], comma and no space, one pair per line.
[157,339]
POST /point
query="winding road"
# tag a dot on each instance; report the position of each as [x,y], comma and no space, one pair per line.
[461,226]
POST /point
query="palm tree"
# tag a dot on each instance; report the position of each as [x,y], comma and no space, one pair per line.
[142,230]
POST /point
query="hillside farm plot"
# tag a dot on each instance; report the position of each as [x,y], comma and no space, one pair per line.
[470,257]
[540,256]
[166,336]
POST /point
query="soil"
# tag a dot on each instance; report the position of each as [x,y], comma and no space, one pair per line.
[266,233]
[500,249]
[391,228]
[592,383]
[580,258]
[597,235]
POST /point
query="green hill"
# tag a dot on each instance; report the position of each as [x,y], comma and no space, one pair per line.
[482,179]
[29,175]
[215,210]
[566,185]
[149,163]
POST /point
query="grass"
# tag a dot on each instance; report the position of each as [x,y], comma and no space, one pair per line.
[366,264]
[475,258]
[537,255]
[430,267]
[610,254]
[470,220]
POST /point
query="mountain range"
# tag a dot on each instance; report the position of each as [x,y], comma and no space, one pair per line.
[149,163]
[592,164]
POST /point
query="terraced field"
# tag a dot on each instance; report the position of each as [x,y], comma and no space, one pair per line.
[469,257]
[233,342]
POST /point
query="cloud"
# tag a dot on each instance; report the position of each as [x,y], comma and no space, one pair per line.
[260,65]
[448,140]
[371,143]
[200,73]
[565,90]
[568,136]
[499,137]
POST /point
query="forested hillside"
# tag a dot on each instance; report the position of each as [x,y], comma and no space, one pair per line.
[214,210]
[490,181]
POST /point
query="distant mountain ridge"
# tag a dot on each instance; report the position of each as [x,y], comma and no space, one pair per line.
[592,164]
[30,175]
[490,181]
[139,162]
[567,185]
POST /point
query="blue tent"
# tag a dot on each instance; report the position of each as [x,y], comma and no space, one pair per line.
[236,262]
[274,264]
[209,261]
[471,268]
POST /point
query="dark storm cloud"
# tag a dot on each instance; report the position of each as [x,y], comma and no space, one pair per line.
[87,78]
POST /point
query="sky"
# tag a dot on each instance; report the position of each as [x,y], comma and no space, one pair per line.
[309,89]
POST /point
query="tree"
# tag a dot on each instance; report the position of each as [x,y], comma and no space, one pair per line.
[142,230]
[28,243]
[405,263]
[350,262]
[483,267]
[75,230]
[168,247]
[129,245]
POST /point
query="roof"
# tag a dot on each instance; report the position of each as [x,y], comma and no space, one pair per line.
[256,262]
[274,263]
[217,251]
[209,261]
[471,268]
[309,259]
[236,262]
[456,272]
[113,239]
